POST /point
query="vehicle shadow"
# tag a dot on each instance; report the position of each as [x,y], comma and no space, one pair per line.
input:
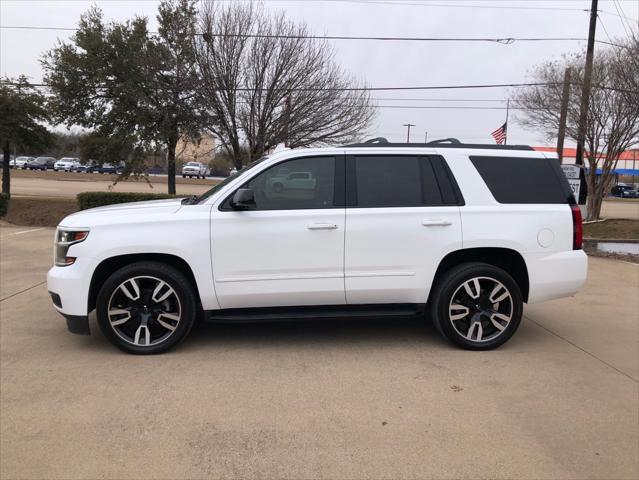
[323,333]
[329,332]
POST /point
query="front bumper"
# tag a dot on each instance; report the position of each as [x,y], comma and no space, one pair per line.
[69,290]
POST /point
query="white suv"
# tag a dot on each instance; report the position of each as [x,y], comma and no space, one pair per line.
[463,234]
[194,169]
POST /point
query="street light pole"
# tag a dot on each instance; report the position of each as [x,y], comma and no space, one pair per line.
[408,125]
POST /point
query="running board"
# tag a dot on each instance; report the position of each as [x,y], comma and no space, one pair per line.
[315,312]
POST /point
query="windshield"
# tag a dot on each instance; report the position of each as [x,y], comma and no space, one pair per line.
[227,180]
[192,164]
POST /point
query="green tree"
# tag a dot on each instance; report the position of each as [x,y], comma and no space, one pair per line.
[22,114]
[128,84]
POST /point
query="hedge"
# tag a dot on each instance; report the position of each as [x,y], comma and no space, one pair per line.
[100,199]
[4,204]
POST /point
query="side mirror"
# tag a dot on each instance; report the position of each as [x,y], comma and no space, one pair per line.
[243,199]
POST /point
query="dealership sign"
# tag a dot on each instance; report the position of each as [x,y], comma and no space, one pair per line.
[572,174]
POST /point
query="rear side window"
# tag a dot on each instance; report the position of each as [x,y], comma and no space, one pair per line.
[400,181]
[523,180]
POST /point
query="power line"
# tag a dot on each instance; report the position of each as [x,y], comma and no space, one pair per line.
[630,19]
[451,107]
[359,89]
[380,89]
[500,40]
[604,27]
[438,99]
[623,23]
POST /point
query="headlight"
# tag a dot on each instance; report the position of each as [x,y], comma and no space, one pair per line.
[64,238]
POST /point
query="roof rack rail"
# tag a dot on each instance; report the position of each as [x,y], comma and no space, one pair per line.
[442,143]
[452,141]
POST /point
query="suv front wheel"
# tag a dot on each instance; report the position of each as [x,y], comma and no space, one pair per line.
[146,307]
[477,306]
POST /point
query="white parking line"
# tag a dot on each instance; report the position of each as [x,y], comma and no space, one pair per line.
[24,231]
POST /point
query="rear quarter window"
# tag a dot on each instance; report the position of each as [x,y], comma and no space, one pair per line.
[524,179]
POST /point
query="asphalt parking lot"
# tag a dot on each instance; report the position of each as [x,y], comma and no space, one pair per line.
[320,400]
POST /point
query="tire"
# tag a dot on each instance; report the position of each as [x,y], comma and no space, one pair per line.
[151,326]
[183,176]
[481,322]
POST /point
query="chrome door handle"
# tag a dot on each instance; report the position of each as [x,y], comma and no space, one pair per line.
[436,223]
[321,226]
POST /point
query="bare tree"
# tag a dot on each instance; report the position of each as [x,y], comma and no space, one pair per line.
[266,83]
[613,117]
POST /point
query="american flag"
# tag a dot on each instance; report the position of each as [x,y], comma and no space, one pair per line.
[500,134]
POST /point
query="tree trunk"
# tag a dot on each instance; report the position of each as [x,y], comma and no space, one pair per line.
[170,153]
[593,205]
[6,173]
[237,156]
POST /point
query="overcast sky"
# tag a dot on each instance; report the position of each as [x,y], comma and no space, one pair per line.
[382,64]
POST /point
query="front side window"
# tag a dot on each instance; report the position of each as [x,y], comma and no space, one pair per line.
[303,183]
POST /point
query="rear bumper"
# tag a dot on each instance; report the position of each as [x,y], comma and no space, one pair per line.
[556,275]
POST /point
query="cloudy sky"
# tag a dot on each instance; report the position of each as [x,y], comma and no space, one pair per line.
[385,64]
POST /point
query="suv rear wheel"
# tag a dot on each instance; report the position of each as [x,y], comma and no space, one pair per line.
[146,307]
[477,306]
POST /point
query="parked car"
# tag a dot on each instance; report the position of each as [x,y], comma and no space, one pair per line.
[110,168]
[624,191]
[445,230]
[90,167]
[65,164]
[20,162]
[293,180]
[11,161]
[41,163]
[194,169]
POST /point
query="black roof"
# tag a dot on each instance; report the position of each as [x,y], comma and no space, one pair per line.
[443,143]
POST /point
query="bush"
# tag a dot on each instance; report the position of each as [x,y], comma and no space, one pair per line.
[100,199]
[4,204]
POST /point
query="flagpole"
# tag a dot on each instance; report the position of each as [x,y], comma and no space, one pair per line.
[506,132]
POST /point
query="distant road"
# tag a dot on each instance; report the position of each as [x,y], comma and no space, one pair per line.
[70,188]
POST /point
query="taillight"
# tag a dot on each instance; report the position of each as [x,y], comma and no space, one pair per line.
[577,228]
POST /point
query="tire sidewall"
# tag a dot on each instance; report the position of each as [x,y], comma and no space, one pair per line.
[451,281]
[168,274]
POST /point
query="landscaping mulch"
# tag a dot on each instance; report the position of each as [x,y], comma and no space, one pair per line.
[39,211]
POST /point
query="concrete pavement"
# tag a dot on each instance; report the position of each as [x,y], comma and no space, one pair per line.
[365,399]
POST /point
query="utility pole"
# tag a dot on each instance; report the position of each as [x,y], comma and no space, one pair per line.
[585,97]
[565,94]
[408,125]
